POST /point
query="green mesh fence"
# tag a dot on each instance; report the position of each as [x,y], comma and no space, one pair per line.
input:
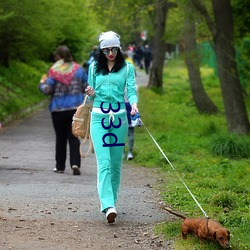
[207,55]
[208,58]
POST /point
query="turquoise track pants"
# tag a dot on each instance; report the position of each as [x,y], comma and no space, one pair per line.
[109,158]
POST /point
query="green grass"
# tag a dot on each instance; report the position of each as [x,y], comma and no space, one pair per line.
[19,88]
[214,164]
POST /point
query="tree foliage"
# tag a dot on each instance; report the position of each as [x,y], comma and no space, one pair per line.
[28,33]
[241,18]
[126,17]
[242,35]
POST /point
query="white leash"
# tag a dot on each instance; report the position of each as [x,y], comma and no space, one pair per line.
[174,169]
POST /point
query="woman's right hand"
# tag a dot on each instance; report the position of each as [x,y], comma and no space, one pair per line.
[134,109]
[43,79]
[90,91]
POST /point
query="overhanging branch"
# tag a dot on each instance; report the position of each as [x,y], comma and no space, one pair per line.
[202,9]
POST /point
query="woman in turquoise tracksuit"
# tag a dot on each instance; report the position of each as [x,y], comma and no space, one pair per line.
[108,77]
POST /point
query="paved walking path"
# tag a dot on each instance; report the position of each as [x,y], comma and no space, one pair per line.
[30,190]
[26,163]
[141,78]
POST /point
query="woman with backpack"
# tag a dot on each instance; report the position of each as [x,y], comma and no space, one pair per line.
[65,83]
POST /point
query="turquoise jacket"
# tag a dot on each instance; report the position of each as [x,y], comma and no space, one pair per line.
[110,88]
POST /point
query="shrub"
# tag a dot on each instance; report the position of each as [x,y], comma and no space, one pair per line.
[223,200]
[231,146]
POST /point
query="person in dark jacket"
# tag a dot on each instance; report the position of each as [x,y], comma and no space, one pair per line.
[147,54]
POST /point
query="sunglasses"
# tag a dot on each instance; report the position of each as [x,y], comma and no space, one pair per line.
[106,51]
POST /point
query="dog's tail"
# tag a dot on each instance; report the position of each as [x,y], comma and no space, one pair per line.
[175,213]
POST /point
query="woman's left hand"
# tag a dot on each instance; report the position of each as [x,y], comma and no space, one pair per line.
[134,109]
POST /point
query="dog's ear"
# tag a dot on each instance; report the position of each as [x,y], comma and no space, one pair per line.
[228,237]
[214,235]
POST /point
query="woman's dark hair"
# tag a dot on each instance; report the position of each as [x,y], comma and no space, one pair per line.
[102,67]
[63,52]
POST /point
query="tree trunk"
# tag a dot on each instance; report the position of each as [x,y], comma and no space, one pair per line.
[223,38]
[159,47]
[235,109]
[201,99]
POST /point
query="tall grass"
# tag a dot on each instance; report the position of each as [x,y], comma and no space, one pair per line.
[214,164]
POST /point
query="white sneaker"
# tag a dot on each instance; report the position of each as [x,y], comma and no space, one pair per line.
[130,156]
[111,214]
[58,171]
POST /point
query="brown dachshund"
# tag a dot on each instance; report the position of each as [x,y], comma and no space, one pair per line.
[204,229]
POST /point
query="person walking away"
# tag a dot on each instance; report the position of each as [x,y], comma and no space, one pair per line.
[139,56]
[147,54]
[108,78]
[128,109]
[65,84]
[130,133]
[93,55]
